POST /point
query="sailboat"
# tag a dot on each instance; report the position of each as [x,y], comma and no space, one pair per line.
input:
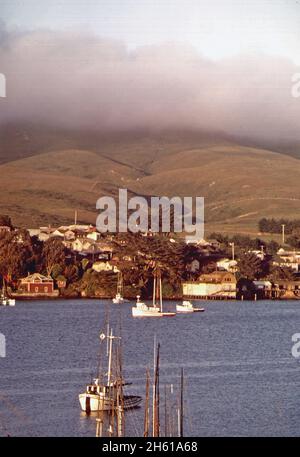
[187,307]
[119,295]
[172,413]
[4,298]
[141,309]
[103,393]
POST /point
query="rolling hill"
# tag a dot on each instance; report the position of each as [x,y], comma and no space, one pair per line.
[47,174]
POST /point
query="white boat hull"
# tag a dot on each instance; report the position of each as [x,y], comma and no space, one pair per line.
[184,309]
[93,402]
[7,302]
[187,307]
[118,300]
[145,313]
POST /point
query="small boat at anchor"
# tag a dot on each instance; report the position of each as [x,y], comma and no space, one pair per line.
[118,299]
[141,309]
[187,307]
[5,300]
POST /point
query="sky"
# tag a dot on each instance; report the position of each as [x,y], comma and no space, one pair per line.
[126,64]
[216,28]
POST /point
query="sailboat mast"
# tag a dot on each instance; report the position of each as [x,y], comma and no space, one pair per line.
[166,412]
[153,386]
[120,408]
[109,358]
[181,405]
[157,393]
[156,425]
[146,416]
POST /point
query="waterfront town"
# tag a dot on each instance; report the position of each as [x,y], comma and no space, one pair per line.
[73,261]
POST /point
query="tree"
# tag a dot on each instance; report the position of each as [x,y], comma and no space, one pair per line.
[272,247]
[15,254]
[281,273]
[5,220]
[71,273]
[249,266]
[53,253]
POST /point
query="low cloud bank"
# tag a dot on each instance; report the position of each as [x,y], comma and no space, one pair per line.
[76,79]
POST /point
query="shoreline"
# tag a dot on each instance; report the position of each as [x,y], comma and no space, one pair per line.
[132,299]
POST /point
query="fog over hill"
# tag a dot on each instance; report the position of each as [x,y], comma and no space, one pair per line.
[76,79]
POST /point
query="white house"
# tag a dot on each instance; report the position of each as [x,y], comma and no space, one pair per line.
[104,266]
[227,265]
[219,284]
[288,259]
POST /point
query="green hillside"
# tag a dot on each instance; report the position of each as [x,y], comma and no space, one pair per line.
[44,176]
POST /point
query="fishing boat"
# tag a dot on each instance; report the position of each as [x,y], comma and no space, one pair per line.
[5,300]
[141,309]
[105,391]
[119,295]
[187,307]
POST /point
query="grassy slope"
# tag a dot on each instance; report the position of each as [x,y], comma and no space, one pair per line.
[240,184]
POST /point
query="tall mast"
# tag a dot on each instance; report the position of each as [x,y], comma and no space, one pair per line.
[160,293]
[120,283]
[156,425]
[109,357]
[181,405]
[120,397]
[146,416]
[153,386]
[166,412]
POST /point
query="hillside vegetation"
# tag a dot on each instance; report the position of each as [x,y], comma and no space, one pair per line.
[46,176]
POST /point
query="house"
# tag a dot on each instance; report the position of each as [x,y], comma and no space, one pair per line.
[45,233]
[34,232]
[36,285]
[193,266]
[104,266]
[260,254]
[214,244]
[227,265]
[95,236]
[105,251]
[5,228]
[285,290]
[69,235]
[43,236]
[263,288]
[214,285]
[77,245]
[61,282]
[287,259]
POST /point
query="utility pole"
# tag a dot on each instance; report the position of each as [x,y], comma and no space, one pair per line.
[283,233]
[232,249]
